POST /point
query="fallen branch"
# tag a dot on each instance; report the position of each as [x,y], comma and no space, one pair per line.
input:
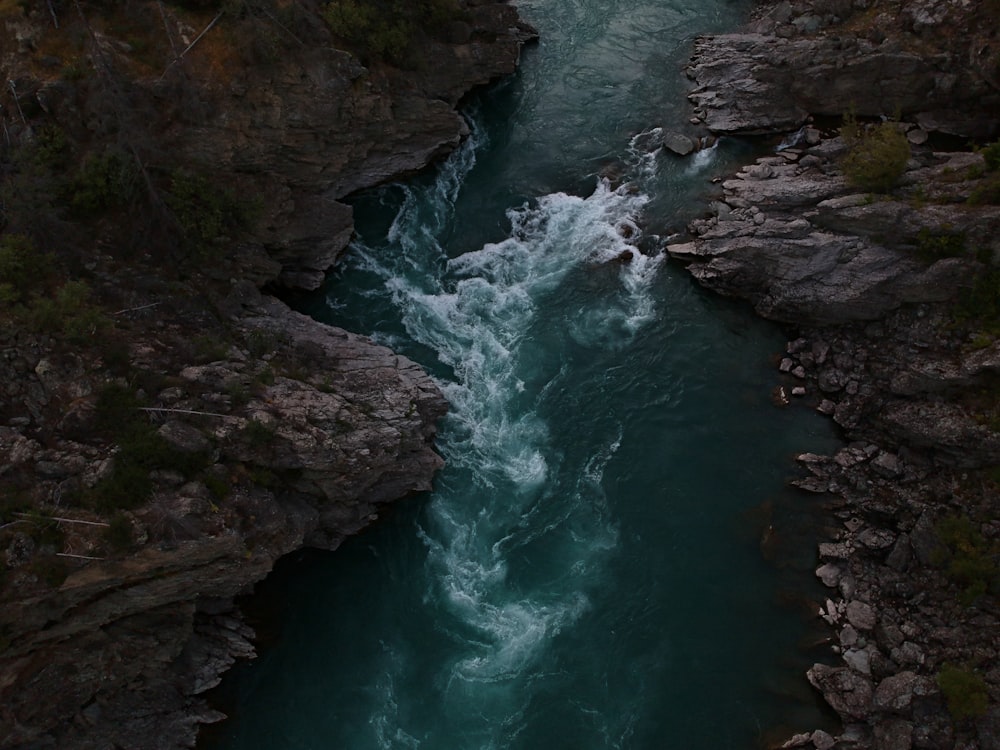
[196,40]
[79,557]
[166,27]
[186,411]
[29,517]
[136,309]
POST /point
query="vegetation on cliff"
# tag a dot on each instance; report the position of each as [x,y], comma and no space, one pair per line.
[876,155]
[166,427]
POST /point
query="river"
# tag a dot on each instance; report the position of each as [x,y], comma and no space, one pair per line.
[610,558]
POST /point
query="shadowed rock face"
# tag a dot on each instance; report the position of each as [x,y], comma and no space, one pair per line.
[319,126]
[302,432]
[119,651]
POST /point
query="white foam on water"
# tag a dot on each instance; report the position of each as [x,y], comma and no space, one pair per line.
[792,140]
[702,159]
[594,469]
[476,311]
[385,720]
[642,159]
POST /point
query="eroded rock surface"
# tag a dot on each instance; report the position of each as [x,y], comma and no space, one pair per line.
[891,337]
[159,462]
[826,57]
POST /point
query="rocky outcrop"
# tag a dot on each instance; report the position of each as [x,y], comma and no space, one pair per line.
[192,431]
[304,444]
[789,234]
[827,57]
[318,126]
[892,343]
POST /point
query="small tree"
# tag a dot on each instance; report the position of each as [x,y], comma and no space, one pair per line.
[876,156]
[964,692]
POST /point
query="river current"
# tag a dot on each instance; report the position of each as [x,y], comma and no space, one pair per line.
[610,558]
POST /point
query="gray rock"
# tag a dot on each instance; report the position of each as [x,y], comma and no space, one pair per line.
[822,740]
[767,83]
[678,143]
[796,740]
[924,540]
[895,693]
[848,636]
[829,574]
[20,550]
[184,437]
[858,659]
[887,464]
[848,692]
[899,558]
[908,654]
[893,734]
[876,539]
[860,615]
[988,729]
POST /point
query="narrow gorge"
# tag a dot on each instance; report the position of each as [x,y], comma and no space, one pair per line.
[618,482]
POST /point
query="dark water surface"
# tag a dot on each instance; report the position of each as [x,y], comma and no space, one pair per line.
[589,572]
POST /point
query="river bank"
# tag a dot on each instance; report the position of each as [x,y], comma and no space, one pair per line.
[891,299]
[170,427]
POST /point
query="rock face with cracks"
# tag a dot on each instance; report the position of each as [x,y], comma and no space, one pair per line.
[890,301]
[232,429]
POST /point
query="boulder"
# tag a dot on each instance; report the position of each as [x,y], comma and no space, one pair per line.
[822,740]
[860,615]
[893,734]
[678,143]
[895,693]
[849,693]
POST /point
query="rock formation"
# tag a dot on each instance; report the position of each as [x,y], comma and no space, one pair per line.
[892,301]
[168,431]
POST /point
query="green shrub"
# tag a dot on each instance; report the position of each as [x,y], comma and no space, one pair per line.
[205,212]
[45,530]
[385,29]
[141,450]
[116,406]
[126,487]
[876,156]
[987,192]
[261,342]
[966,556]
[258,433]
[371,28]
[209,348]
[932,246]
[265,376]
[218,485]
[21,267]
[964,692]
[981,301]
[991,155]
[50,149]
[68,313]
[105,181]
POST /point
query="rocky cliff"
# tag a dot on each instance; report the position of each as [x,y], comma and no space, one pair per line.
[891,296]
[168,430]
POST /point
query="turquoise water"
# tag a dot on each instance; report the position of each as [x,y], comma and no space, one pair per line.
[591,570]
